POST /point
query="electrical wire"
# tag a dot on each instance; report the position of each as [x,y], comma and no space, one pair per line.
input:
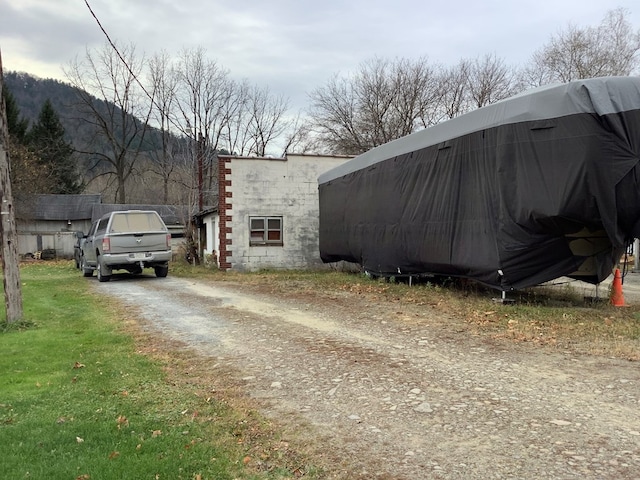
[131,72]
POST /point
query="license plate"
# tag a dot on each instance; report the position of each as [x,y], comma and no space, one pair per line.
[139,256]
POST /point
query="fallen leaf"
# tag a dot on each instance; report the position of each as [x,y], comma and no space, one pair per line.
[113,455]
[79,440]
[83,477]
[156,433]
[246,460]
[122,421]
[78,365]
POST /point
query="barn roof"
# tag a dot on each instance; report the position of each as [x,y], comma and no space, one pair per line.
[171,214]
[57,207]
[52,207]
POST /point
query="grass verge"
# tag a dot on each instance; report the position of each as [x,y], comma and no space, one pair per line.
[79,401]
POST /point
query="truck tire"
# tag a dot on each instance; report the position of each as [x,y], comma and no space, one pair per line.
[101,269]
[86,270]
[161,271]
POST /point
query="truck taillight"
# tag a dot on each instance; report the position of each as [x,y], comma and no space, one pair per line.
[168,241]
[106,245]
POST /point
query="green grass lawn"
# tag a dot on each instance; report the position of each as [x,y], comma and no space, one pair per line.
[78,402]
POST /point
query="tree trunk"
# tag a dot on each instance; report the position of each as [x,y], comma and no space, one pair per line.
[8,235]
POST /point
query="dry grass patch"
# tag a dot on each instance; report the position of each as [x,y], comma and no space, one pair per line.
[558,318]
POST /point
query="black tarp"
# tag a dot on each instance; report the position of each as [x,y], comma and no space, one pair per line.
[541,185]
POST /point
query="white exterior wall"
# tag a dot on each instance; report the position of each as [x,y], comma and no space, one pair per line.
[37,235]
[286,188]
[212,245]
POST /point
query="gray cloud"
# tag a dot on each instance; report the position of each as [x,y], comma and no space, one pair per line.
[292,46]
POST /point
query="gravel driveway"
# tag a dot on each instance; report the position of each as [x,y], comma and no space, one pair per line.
[391,394]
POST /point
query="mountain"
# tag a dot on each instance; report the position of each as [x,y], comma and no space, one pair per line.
[30,94]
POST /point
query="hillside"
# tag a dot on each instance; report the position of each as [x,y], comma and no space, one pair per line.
[31,92]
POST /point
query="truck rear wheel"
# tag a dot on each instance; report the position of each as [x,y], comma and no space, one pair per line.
[102,271]
[161,271]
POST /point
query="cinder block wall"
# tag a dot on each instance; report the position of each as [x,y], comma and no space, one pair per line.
[286,188]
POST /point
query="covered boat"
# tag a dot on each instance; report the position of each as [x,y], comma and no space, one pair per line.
[538,186]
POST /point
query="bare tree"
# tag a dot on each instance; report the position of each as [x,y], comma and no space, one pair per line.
[382,101]
[417,93]
[612,48]
[374,89]
[204,93]
[489,79]
[454,90]
[300,138]
[334,115]
[267,121]
[118,115]
[257,121]
[163,81]
[236,132]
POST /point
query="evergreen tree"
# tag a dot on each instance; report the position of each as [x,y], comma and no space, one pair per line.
[22,162]
[55,154]
[17,126]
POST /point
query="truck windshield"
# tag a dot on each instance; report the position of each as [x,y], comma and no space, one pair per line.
[136,222]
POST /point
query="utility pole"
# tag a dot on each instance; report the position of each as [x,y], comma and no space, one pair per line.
[199,155]
[8,235]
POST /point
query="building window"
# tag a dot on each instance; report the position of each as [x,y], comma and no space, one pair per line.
[265,230]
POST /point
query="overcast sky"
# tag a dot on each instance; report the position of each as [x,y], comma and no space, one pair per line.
[291,46]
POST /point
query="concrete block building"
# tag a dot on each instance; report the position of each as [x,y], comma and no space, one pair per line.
[267,215]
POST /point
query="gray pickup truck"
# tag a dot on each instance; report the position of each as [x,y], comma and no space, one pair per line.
[127,240]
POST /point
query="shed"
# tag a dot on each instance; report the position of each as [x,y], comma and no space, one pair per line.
[267,214]
[49,222]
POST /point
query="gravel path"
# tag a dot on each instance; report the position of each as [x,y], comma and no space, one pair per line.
[398,395]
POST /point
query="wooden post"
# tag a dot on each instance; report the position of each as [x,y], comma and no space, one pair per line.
[8,235]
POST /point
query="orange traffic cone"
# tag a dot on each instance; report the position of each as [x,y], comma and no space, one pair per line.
[617,299]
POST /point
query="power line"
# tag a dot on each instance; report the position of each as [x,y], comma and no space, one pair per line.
[129,69]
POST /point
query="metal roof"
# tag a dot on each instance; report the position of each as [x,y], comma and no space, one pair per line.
[88,207]
[171,214]
[57,207]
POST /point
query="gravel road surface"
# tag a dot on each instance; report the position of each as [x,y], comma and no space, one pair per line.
[391,394]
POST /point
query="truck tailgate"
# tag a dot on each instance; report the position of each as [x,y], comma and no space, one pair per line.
[138,242]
